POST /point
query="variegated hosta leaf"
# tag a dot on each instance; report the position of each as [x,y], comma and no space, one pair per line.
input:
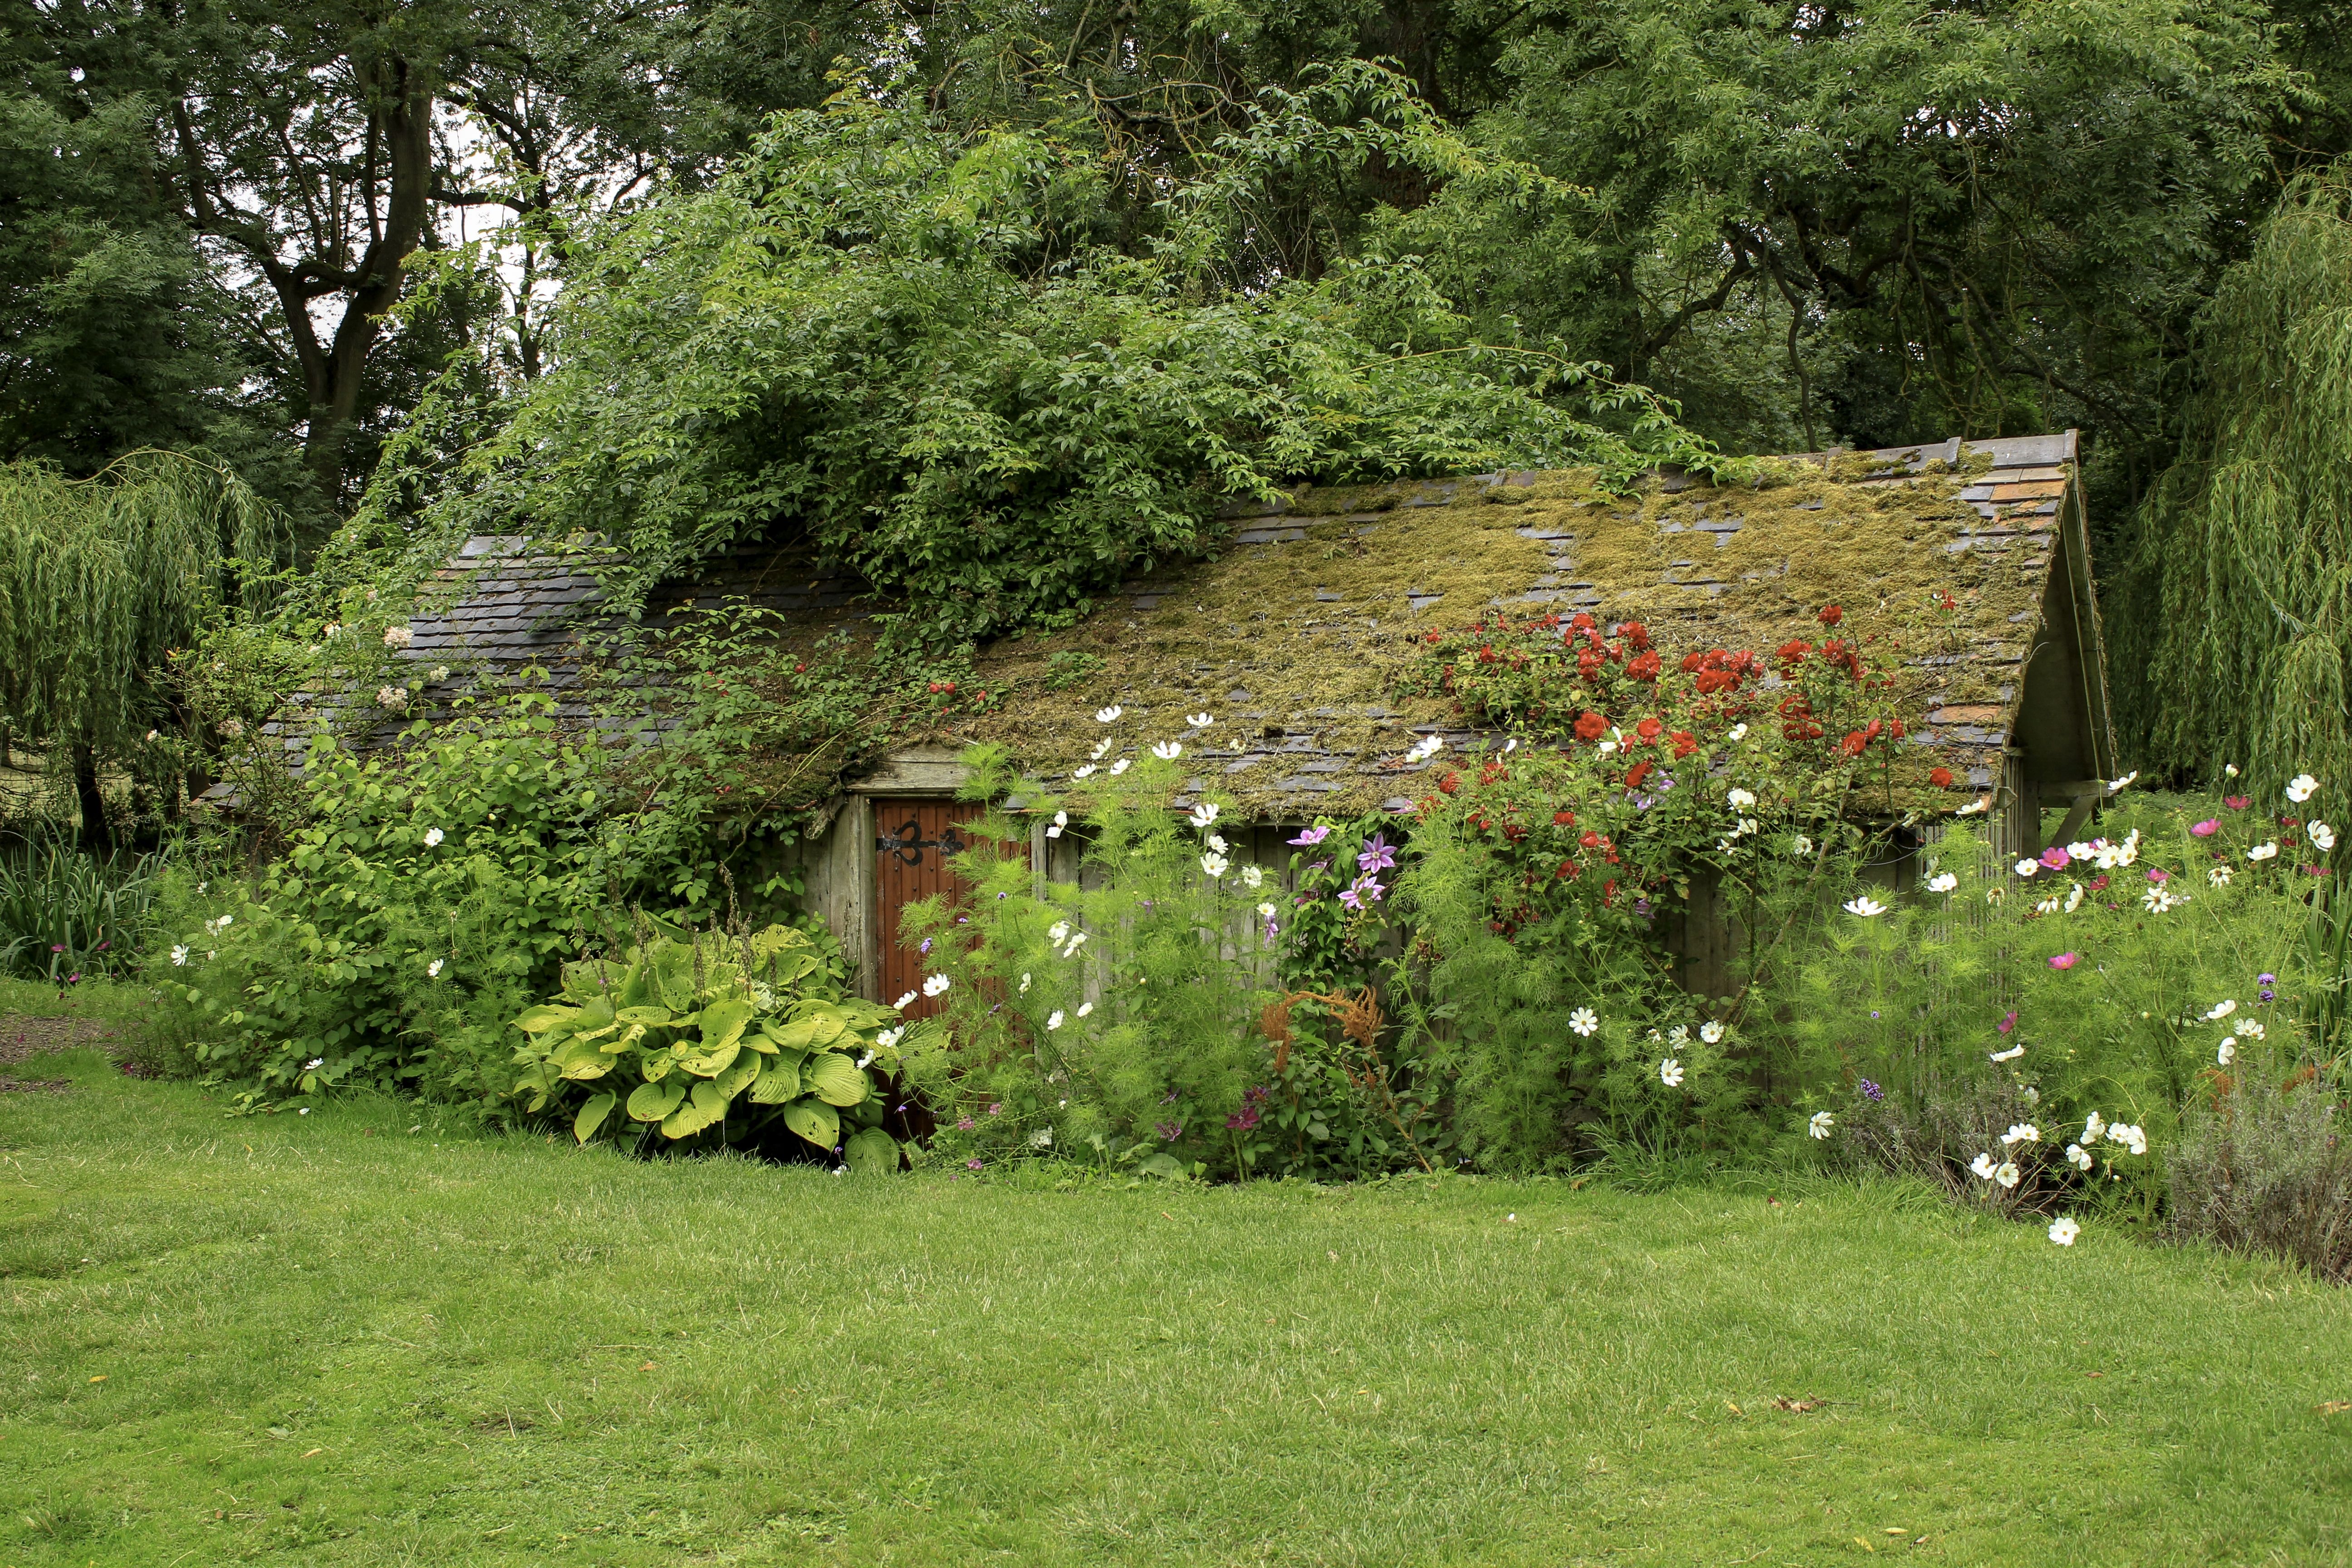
[835,1079]
[746,1068]
[703,1105]
[814,1120]
[780,1083]
[652,1101]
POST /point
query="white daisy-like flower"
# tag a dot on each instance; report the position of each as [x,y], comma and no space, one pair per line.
[2161,900]
[2032,1095]
[1984,1166]
[2011,1054]
[1202,814]
[2230,770]
[2048,906]
[1199,720]
[2113,786]
[2008,1176]
[1670,1073]
[1679,1035]
[1739,799]
[2266,851]
[1802,847]
[2064,1230]
[1216,841]
[1584,1021]
[1167,751]
[2026,868]
[1266,911]
[1739,734]
[1710,1031]
[2249,1029]
[433,837]
[2075,898]
[1102,749]
[1057,932]
[935,984]
[314,1064]
[2226,1053]
[1078,940]
[1820,1125]
[1024,982]
[1975,807]
[1865,907]
[433,970]
[1084,1008]
[1252,876]
[2095,1127]
[2077,1158]
[865,1061]
[1054,1019]
[1942,882]
[180,954]
[903,1002]
[2302,787]
[393,697]
[1108,715]
[2020,1133]
[2219,875]
[888,1038]
[2078,850]
[2131,1137]
[2323,838]
[2221,1009]
[1118,767]
[398,637]
[1054,828]
[1083,771]
[1214,864]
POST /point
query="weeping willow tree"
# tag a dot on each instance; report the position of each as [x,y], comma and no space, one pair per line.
[99,580]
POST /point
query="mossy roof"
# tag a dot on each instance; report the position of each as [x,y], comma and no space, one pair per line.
[1296,634]
[1295,639]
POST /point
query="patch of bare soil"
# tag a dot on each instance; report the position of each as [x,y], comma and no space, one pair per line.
[22,1036]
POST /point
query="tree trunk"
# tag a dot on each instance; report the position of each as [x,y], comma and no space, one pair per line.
[96,837]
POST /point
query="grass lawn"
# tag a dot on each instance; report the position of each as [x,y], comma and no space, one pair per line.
[334,1340]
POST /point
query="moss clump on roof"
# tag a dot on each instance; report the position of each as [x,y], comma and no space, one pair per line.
[1297,644]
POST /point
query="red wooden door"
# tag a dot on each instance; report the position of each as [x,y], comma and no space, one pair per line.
[912,841]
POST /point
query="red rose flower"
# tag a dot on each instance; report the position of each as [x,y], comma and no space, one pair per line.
[1832,614]
[1590,727]
[1941,778]
[1854,743]
[1563,819]
[1590,840]
[1649,729]
[1641,770]
[1645,667]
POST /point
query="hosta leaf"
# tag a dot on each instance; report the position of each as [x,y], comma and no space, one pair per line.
[746,1068]
[540,1019]
[872,1152]
[645,1016]
[815,1121]
[780,1083]
[652,1101]
[704,1106]
[580,1059]
[797,1036]
[835,1079]
[711,1064]
[724,1022]
[592,1116]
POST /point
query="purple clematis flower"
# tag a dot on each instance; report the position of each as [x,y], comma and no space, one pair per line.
[1243,1119]
[1378,855]
[1311,836]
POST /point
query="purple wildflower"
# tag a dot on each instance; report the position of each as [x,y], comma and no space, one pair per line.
[972,1164]
[2006,1025]
[1256,1094]
[965,1124]
[1169,1131]
[2266,979]
[1243,1119]
[1871,1091]
[1377,855]
[997,1110]
[926,945]
[1311,836]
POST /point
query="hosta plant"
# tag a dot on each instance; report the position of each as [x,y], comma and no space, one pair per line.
[710,1039]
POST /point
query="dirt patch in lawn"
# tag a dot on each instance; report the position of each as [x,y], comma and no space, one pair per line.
[22,1035]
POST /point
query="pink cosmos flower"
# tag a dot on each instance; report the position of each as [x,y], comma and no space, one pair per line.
[2237,802]
[2055,858]
[2158,875]
[2066,961]
[2207,828]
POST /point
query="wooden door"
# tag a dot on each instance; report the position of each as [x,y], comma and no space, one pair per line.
[912,841]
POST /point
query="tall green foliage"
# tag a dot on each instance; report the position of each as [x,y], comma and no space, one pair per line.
[99,580]
[2235,635]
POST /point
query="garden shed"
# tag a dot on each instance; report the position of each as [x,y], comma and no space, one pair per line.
[1293,637]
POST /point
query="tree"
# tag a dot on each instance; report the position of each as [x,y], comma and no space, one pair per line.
[99,580]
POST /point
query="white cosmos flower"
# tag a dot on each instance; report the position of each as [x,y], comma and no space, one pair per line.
[2076,1158]
[433,970]
[1803,846]
[1108,715]
[1199,720]
[2249,1029]
[2011,1054]
[1054,1019]
[1214,864]
[1024,982]
[2008,1176]
[901,1004]
[935,983]
[1077,941]
[2302,787]
[1084,1008]
[2161,900]
[1216,841]
[2078,850]
[1061,820]
[1102,749]
[2048,906]
[2094,1128]
[2020,1133]
[2219,875]
[2323,838]
[314,1064]
[2026,868]
[2130,1136]
[1167,751]
[865,1061]
[1739,799]
[1942,882]
[1118,767]
[2227,1053]
[2075,898]
[1710,1031]
[1252,876]
[1056,933]
[1739,734]
[1204,814]
[2230,772]
[1264,911]
[888,1038]
[2221,1009]
[433,837]
[2064,1230]
[1584,1021]
[1083,771]
[180,954]
[1820,1125]
[1984,1166]
[1670,1073]
[1679,1035]
[1864,906]
[2263,851]
[1974,808]
[2122,783]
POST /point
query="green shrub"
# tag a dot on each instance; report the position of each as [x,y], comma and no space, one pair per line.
[709,1039]
[66,914]
[2263,1164]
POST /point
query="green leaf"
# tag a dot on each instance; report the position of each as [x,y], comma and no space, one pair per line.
[814,1120]
[835,1079]
[592,1115]
[581,1059]
[724,1022]
[704,1106]
[780,1083]
[711,1064]
[652,1101]
[871,1152]
[546,1016]
[645,1016]
[746,1068]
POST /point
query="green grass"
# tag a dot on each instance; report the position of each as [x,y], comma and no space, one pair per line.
[112,1000]
[329,1339]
